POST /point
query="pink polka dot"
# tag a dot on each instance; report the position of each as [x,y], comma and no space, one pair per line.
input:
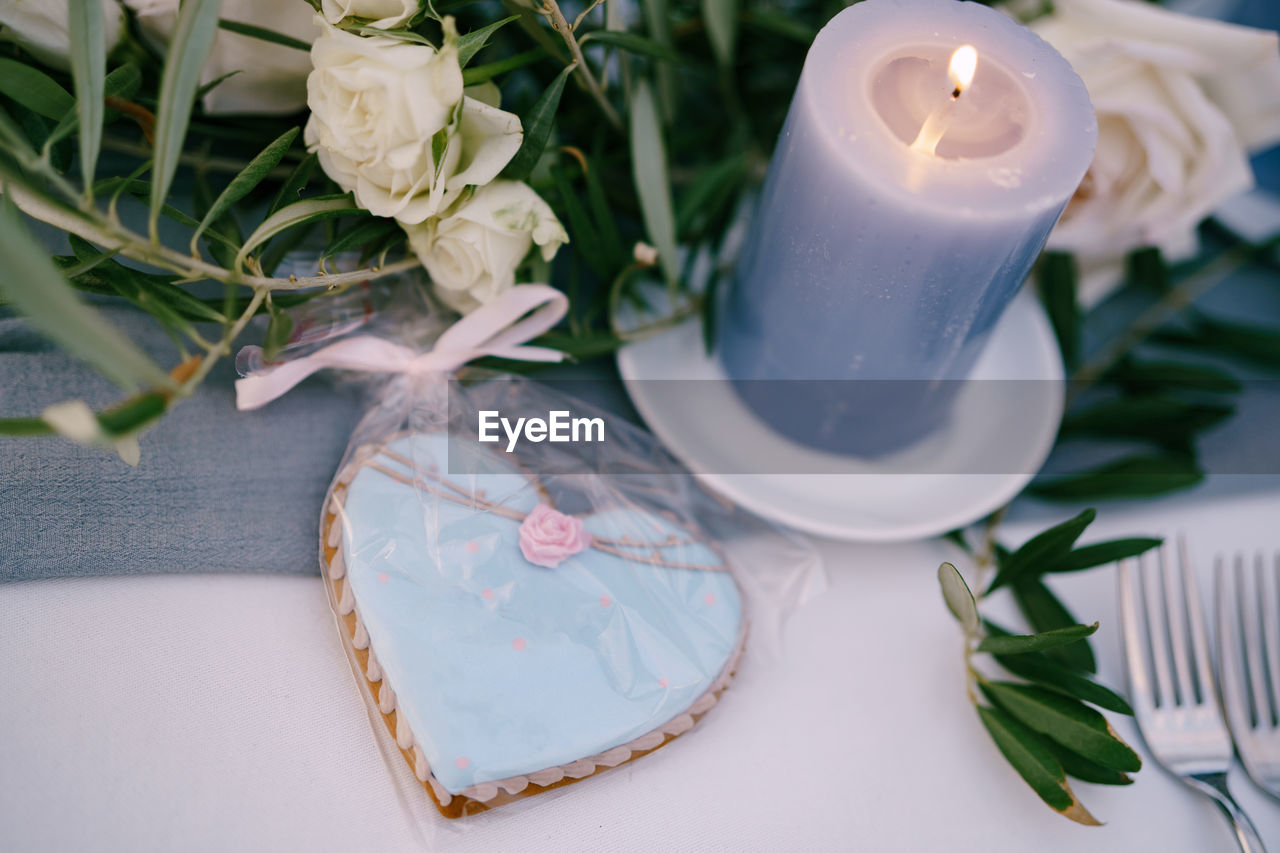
[605,601]
[463,762]
[486,594]
[383,577]
[711,598]
[518,644]
[473,546]
[662,682]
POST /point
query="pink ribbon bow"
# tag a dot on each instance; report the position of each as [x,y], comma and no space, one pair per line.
[499,328]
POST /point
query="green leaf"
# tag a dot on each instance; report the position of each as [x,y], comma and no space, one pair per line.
[133,414]
[957,537]
[1146,267]
[243,183]
[721,17]
[1057,277]
[123,82]
[603,214]
[188,48]
[959,599]
[361,235]
[484,73]
[1085,770]
[1021,644]
[632,43]
[1042,550]
[1166,420]
[649,171]
[295,183]
[1035,763]
[710,189]
[1066,721]
[87,34]
[469,44]
[1102,553]
[1043,670]
[1260,344]
[537,129]
[263,34]
[580,227]
[1045,613]
[1136,476]
[298,213]
[781,24]
[35,287]
[278,331]
[34,89]
[1150,376]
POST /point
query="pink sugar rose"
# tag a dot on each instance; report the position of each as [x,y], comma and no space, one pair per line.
[548,537]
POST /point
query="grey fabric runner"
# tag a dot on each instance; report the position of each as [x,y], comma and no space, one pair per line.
[216,490]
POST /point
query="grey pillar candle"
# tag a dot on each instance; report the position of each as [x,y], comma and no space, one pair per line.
[870,258]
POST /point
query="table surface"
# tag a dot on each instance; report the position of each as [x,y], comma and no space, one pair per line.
[215,712]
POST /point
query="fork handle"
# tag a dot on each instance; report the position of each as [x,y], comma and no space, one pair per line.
[1214,785]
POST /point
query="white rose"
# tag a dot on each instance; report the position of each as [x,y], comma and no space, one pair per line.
[1178,99]
[386,123]
[40,26]
[271,79]
[382,14]
[472,252]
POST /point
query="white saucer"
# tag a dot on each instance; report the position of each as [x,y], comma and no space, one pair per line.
[860,500]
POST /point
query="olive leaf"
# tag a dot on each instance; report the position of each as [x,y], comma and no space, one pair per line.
[1056,275]
[1044,548]
[86,33]
[1045,612]
[1066,721]
[1102,553]
[1035,763]
[537,125]
[959,599]
[649,170]
[1044,671]
[1021,644]
[244,182]
[1137,476]
[1085,770]
[189,47]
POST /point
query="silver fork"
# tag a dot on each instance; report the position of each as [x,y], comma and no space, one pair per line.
[1249,663]
[1171,681]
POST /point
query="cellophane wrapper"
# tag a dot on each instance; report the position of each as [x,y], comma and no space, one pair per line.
[519,620]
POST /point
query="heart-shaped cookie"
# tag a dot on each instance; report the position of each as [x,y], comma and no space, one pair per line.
[500,678]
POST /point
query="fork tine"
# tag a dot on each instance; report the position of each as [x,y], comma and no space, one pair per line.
[1199,639]
[1135,650]
[1174,580]
[1249,604]
[1269,592]
[1231,670]
[1157,630]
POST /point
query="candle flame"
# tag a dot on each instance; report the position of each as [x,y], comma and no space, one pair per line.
[964,62]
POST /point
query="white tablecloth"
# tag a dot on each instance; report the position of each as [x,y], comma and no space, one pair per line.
[218,712]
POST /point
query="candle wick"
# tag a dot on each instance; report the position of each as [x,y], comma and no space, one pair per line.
[955,93]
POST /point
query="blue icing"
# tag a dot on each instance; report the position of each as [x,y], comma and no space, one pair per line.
[588,677]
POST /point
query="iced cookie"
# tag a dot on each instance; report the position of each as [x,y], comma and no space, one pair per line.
[508,654]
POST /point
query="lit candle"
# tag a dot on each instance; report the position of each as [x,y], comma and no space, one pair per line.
[930,148]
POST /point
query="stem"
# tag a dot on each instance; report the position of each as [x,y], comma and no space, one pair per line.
[223,347]
[1177,299]
[113,237]
[588,80]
